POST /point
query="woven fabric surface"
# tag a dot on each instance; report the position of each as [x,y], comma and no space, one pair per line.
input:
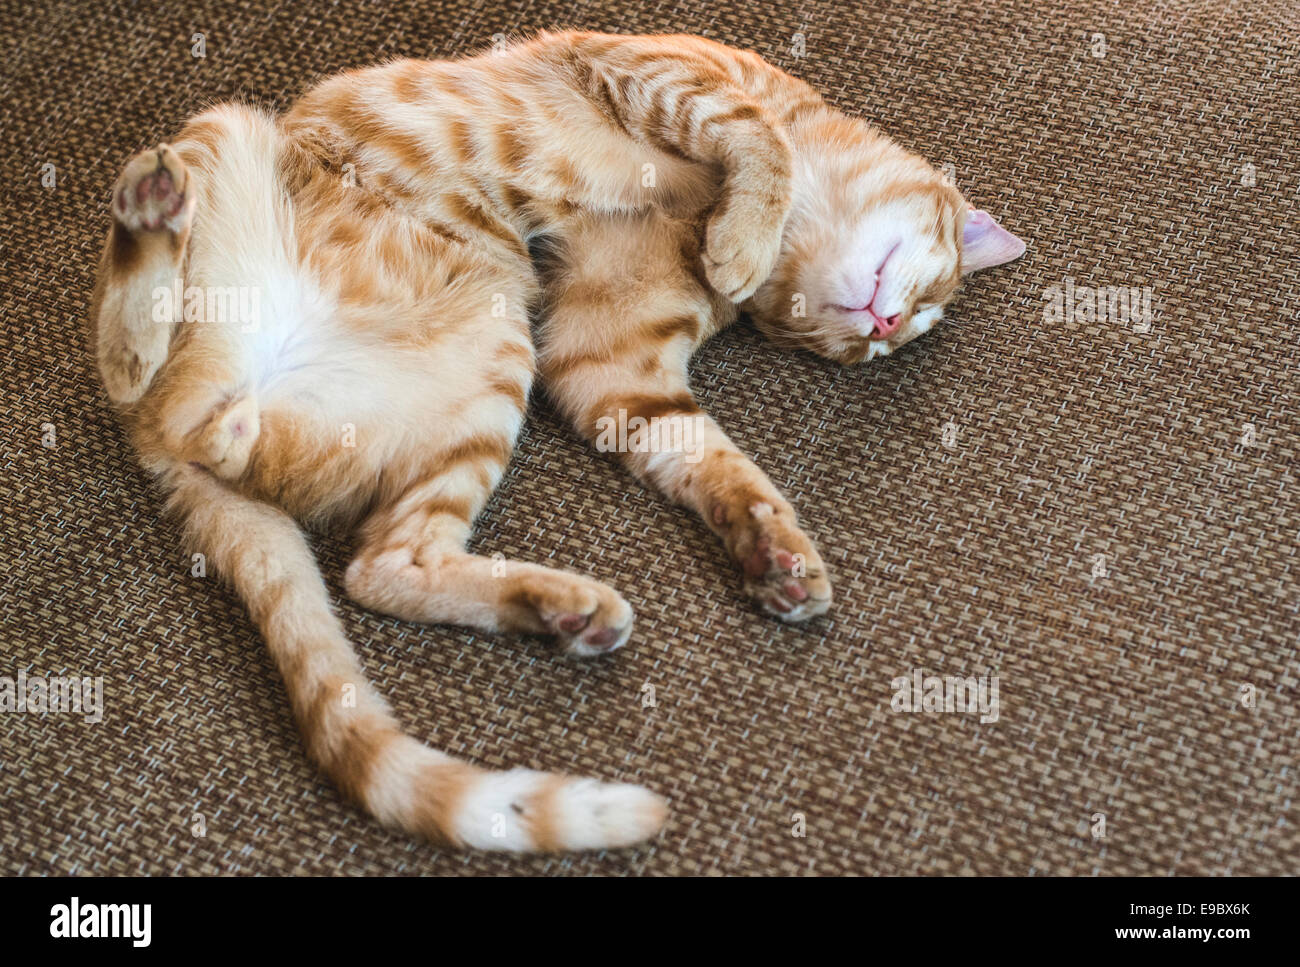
[1103,513]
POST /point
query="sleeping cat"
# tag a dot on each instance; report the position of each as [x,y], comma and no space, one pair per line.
[384,226]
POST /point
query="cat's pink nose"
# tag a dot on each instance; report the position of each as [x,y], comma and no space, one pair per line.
[887,327]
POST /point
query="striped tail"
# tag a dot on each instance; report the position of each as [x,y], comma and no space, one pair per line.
[349,729]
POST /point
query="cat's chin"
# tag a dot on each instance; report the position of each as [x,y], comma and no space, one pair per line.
[920,323]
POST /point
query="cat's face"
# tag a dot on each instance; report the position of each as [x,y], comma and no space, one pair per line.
[872,254]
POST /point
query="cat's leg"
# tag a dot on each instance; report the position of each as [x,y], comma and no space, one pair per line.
[153,210]
[781,569]
[206,415]
[677,96]
[622,320]
[203,404]
[412,563]
[136,310]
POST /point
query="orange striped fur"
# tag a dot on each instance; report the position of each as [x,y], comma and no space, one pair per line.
[384,227]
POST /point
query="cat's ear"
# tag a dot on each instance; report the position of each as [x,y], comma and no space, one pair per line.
[985,243]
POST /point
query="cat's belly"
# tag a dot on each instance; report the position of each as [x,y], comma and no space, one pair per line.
[349,403]
[344,418]
[345,348]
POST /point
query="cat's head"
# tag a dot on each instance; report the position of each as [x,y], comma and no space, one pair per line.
[875,246]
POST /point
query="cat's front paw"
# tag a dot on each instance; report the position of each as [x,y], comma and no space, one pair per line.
[782,571]
[742,243]
[154,193]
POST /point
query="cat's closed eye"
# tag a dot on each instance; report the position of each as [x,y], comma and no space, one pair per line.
[873,266]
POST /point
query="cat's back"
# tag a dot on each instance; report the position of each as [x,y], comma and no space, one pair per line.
[508,141]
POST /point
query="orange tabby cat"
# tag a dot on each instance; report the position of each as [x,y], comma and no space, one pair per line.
[325,316]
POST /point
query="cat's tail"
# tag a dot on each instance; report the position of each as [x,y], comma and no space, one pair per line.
[349,729]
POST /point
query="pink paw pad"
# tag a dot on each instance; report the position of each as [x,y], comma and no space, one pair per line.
[572,623]
[602,638]
[149,200]
[757,562]
[775,602]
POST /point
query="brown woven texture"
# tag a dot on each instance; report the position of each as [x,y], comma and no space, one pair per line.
[1160,155]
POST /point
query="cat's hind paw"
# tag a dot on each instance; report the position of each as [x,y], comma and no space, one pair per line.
[154,193]
[226,442]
